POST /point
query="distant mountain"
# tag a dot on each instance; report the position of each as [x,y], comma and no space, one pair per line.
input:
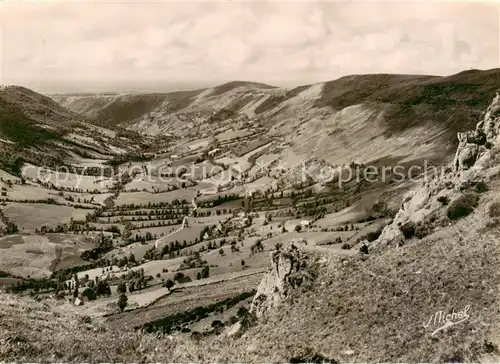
[357,117]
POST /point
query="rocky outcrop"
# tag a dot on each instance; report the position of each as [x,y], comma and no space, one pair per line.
[423,209]
[476,143]
[288,271]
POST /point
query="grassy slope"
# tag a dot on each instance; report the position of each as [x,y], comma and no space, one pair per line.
[24,132]
[455,101]
[375,307]
[378,307]
[36,106]
[34,128]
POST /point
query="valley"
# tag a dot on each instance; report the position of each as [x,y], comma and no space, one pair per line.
[176,201]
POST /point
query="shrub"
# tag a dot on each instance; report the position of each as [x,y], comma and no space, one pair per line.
[463,206]
[494,209]
[346,246]
[408,229]
[481,187]
[122,301]
[89,294]
[205,272]
[217,323]
[242,311]
[374,235]
[169,284]
[427,227]
[122,287]
[444,200]
[178,276]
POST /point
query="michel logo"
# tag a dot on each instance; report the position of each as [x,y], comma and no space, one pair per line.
[441,320]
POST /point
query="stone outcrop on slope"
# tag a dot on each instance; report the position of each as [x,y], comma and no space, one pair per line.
[474,163]
[288,271]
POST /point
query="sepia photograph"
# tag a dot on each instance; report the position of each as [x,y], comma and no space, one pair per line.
[267,181]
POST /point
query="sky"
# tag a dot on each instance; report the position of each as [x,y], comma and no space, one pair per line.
[63,46]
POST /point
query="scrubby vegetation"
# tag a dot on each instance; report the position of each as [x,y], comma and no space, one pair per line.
[463,205]
[494,209]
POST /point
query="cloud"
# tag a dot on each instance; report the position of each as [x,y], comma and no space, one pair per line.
[104,44]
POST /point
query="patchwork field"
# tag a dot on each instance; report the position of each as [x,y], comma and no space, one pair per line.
[38,256]
[184,299]
[68,180]
[144,198]
[31,216]
[154,183]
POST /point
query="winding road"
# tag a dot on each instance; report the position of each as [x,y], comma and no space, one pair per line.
[183,225]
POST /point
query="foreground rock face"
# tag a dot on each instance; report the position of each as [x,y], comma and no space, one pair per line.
[288,271]
[473,164]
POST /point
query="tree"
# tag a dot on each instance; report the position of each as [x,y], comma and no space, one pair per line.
[122,287]
[243,263]
[89,293]
[242,311]
[221,252]
[298,228]
[179,276]
[122,301]
[77,284]
[169,284]
[103,289]
[205,272]
[11,228]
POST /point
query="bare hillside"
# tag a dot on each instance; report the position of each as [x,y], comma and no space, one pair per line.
[403,116]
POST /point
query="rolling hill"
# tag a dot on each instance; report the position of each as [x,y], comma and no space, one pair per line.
[358,117]
[35,129]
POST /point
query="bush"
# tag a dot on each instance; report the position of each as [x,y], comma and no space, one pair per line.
[178,276]
[242,311]
[423,229]
[463,206]
[122,287]
[346,246]
[481,187]
[122,301]
[374,235]
[444,200]
[494,209]
[408,229]
[205,272]
[89,294]
[217,323]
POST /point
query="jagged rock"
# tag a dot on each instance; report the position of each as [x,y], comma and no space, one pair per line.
[491,123]
[288,271]
[466,156]
[475,143]
[470,167]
